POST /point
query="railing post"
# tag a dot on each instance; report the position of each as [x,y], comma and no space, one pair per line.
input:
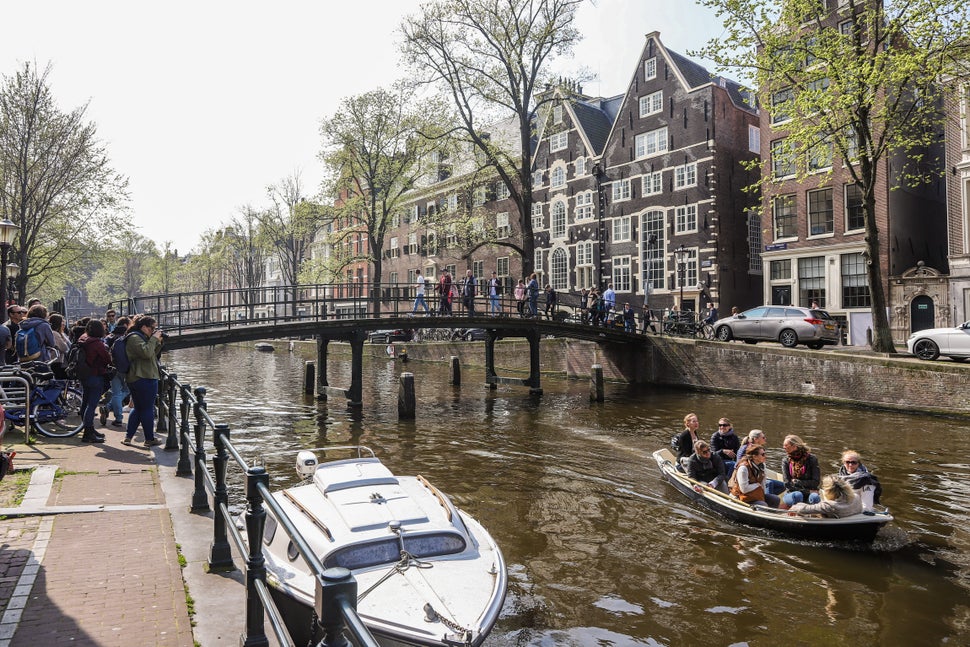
[161,425]
[220,554]
[184,467]
[255,634]
[333,586]
[200,501]
[172,442]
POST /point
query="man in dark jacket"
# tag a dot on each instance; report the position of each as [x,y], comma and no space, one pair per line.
[707,467]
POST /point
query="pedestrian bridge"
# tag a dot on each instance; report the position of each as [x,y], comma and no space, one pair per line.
[350,312]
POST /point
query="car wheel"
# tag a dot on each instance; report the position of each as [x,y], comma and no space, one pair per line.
[815,345]
[724,334]
[788,338]
[926,349]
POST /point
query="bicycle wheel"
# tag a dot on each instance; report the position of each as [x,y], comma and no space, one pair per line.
[705,331]
[62,420]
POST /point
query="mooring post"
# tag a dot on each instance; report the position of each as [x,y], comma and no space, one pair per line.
[255,634]
[355,394]
[220,553]
[335,586]
[200,502]
[535,387]
[185,463]
[172,441]
[455,371]
[490,374]
[322,384]
[406,407]
[309,377]
[596,393]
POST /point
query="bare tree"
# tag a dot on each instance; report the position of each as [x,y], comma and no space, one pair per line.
[492,57]
[245,256]
[56,182]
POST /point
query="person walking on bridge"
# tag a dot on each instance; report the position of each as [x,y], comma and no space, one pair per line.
[419,296]
[444,293]
[468,292]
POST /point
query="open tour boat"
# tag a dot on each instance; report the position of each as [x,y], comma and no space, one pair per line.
[427,573]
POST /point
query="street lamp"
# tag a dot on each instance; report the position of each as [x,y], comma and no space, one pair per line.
[681,252]
[8,230]
[13,271]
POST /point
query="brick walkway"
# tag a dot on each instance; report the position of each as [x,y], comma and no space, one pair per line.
[108,577]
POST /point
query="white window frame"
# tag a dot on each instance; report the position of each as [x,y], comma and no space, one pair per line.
[651,143]
[501,190]
[652,183]
[479,196]
[557,177]
[584,205]
[502,229]
[685,219]
[558,141]
[650,68]
[559,269]
[536,216]
[652,103]
[621,190]
[502,266]
[622,270]
[580,167]
[685,176]
[622,229]
[412,244]
[558,219]
[557,114]
[537,178]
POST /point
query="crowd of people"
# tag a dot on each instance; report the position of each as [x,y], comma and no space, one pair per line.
[736,467]
[116,361]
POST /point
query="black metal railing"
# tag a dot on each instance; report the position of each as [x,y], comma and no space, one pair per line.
[336,594]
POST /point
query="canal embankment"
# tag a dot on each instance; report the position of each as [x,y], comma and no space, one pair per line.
[845,375]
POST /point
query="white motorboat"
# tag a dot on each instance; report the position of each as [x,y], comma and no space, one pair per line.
[427,573]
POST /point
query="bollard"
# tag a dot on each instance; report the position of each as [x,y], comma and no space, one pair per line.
[220,553]
[200,501]
[255,520]
[455,371]
[185,463]
[309,377]
[334,585]
[172,440]
[406,407]
[596,393]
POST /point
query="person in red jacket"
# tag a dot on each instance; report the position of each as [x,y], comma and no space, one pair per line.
[96,361]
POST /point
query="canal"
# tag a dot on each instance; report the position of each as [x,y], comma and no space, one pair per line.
[600,550]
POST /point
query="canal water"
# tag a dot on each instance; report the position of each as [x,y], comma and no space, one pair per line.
[600,550]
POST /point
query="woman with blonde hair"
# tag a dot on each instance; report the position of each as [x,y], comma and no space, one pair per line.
[801,472]
[684,441]
[838,500]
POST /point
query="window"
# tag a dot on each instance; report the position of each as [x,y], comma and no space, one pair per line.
[780,270]
[621,190]
[537,178]
[754,242]
[558,141]
[451,239]
[412,244]
[621,229]
[818,85]
[395,252]
[537,267]
[855,217]
[478,197]
[650,69]
[580,166]
[432,248]
[584,265]
[559,266]
[451,270]
[557,114]
[501,191]
[686,268]
[622,277]
[652,103]
[855,282]
[685,219]
[652,239]
[502,229]
[502,266]
[820,156]
[653,183]
[754,139]
[557,178]
[820,219]
[685,176]
[782,159]
[650,143]
[413,214]
[559,219]
[783,214]
[393,276]
[396,220]
[811,280]
[584,205]
[845,28]
[478,269]
[781,105]
[536,215]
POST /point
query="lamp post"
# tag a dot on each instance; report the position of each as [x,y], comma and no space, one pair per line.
[681,269]
[13,271]
[8,230]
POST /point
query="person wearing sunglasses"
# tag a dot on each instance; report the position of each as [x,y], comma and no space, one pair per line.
[726,444]
[707,467]
[855,474]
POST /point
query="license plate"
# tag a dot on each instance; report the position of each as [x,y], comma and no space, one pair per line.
[829,327]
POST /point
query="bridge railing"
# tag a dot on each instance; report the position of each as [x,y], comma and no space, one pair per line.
[336,589]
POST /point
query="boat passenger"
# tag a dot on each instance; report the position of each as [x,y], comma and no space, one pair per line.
[726,443]
[684,441]
[758,437]
[838,500]
[853,472]
[747,482]
[707,467]
[801,472]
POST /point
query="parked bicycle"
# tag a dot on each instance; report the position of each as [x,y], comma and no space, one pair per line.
[683,324]
[55,405]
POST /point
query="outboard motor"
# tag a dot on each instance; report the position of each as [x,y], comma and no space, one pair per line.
[306,463]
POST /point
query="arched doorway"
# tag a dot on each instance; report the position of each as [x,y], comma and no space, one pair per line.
[921,313]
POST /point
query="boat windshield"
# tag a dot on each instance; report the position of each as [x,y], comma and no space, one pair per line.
[387,551]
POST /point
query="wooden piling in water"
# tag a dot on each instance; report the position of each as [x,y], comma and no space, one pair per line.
[406,404]
[309,377]
[455,371]
[596,391]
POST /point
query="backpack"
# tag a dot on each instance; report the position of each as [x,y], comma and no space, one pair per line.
[28,344]
[76,363]
[119,352]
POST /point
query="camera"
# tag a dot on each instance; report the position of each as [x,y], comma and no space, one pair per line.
[163,334]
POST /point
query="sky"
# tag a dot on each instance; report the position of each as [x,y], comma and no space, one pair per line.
[203,105]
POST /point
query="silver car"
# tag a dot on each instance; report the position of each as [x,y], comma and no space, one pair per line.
[785,324]
[951,342]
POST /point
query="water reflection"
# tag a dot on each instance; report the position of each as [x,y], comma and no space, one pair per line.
[600,549]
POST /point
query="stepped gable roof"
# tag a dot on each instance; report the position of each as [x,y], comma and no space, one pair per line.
[595,121]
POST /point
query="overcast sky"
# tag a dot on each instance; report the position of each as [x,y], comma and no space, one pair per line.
[202,105]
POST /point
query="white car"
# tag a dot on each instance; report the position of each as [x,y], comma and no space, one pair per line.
[933,342]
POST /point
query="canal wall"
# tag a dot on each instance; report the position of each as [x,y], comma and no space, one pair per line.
[846,376]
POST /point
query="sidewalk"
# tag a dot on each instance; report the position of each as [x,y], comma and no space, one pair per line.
[91,558]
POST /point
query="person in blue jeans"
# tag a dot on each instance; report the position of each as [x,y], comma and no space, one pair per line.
[143,347]
[533,291]
[119,387]
[801,471]
[96,362]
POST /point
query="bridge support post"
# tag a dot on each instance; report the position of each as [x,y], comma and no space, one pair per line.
[490,376]
[406,406]
[321,381]
[309,378]
[455,371]
[535,387]
[596,391]
[355,394]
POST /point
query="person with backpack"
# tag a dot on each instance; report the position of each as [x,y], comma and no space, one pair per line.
[91,369]
[119,386]
[35,336]
[142,346]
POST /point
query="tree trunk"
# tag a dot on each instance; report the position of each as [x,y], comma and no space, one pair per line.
[376,285]
[882,337]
